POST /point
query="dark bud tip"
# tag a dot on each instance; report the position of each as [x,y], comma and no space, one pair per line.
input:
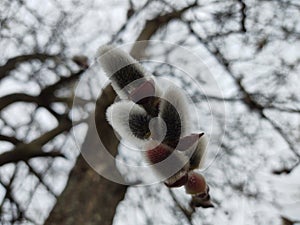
[205,205]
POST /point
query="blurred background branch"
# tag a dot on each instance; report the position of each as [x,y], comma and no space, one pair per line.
[252,51]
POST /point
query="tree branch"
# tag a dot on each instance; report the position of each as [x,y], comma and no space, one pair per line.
[243,15]
[24,154]
[247,97]
[14,62]
[45,97]
[26,151]
[187,213]
[152,26]
[10,139]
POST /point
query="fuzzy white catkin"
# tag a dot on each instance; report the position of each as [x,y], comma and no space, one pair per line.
[112,59]
[178,99]
[118,117]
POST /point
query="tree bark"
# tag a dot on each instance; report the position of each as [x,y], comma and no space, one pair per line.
[89,198]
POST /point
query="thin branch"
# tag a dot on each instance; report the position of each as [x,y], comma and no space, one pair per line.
[187,213]
[63,81]
[24,155]
[26,151]
[63,126]
[40,178]
[243,14]
[45,97]
[17,97]
[10,139]
[199,97]
[9,196]
[289,110]
[247,97]
[152,26]
[22,97]
[286,170]
[282,134]
[130,15]
[14,62]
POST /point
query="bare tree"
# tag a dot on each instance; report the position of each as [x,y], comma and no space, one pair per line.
[251,49]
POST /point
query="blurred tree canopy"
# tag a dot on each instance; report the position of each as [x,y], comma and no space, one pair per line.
[250,47]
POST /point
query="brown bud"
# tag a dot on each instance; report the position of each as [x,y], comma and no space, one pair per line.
[196,184]
[198,188]
[158,154]
[176,164]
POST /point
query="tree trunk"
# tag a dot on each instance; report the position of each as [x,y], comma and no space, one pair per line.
[89,198]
